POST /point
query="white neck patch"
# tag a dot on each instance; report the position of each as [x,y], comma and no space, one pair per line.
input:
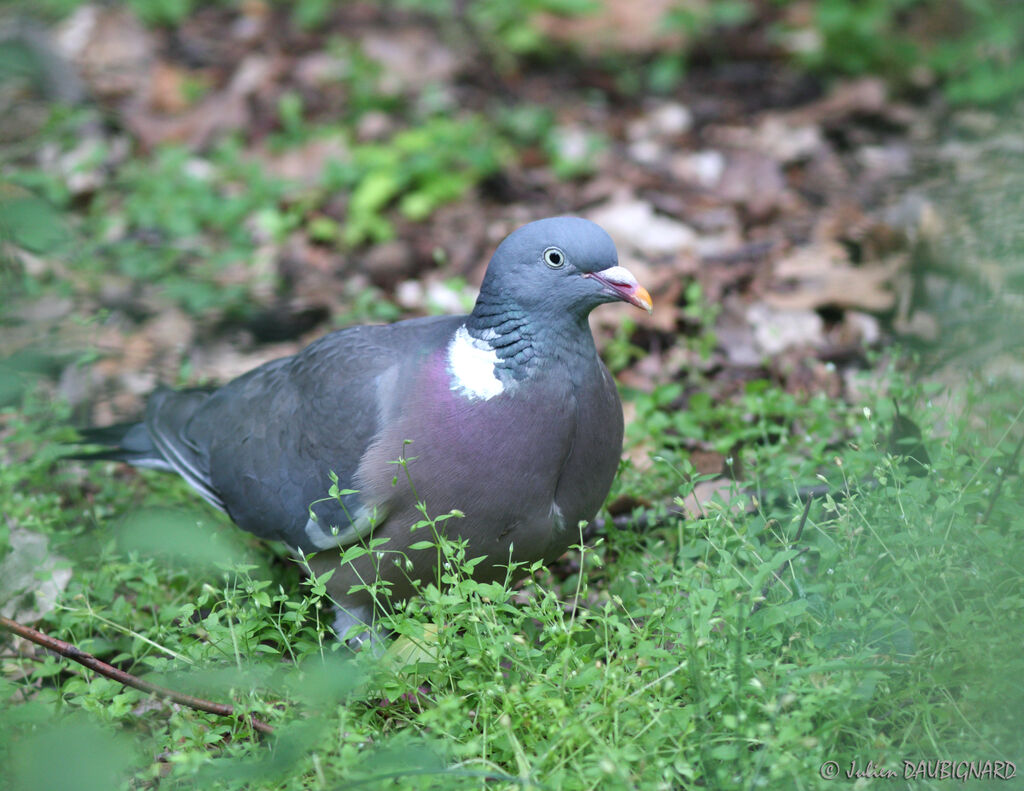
[471,363]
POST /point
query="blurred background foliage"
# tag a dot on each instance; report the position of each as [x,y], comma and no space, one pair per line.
[972,51]
[974,47]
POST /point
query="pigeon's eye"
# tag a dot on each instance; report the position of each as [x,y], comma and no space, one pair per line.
[554,258]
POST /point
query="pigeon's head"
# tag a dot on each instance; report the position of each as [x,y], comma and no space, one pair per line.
[562,265]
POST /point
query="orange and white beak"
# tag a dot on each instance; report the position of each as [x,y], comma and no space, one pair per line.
[622,283]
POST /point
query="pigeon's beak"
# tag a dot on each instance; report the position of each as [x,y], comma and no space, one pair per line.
[622,283]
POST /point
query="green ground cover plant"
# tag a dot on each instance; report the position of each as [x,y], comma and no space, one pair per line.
[741,648]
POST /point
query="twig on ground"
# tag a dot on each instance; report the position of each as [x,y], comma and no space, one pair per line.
[77,655]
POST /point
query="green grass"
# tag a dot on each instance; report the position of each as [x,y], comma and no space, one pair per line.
[891,633]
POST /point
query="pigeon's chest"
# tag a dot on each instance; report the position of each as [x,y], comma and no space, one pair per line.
[493,451]
[524,465]
[500,434]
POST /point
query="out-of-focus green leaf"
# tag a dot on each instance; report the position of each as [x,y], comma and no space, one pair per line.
[30,222]
[181,536]
[74,752]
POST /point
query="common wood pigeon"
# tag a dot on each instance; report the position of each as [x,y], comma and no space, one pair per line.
[507,415]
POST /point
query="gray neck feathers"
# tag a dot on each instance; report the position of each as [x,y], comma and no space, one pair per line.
[524,344]
[505,328]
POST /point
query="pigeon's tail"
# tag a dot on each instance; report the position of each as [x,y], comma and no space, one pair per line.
[160,442]
[127,442]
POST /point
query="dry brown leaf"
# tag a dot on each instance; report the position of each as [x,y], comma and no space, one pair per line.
[821,274]
[866,96]
[617,26]
[388,263]
[842,219]
[654,368]
[222,362]
[707,462]
[31,576]
[724,490]
[777,136]
[170,332]
[306,163]
[167,88]
[410,59]
[778,329]
[634,225]
[754,181]
[224,111]
[110,48]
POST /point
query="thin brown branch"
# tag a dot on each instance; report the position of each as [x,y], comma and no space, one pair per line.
[75,654]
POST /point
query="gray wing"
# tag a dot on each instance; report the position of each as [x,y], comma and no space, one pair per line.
[166,412]
[263,446]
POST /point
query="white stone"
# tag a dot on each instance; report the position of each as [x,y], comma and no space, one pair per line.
[865,325]
[776,330]
[787,142]
[672,119]
[646,152]
[634,224]
[701,167]
[442,296]
[666,120]
[409,294]
[574,143]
